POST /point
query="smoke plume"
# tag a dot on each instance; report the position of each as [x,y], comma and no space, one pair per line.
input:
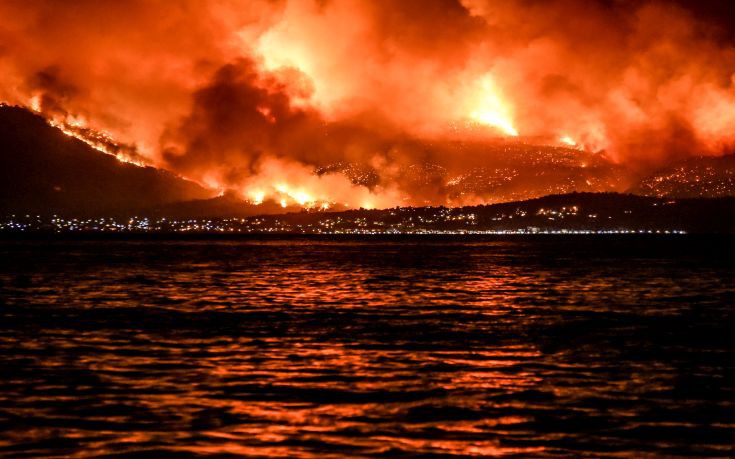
[255,96]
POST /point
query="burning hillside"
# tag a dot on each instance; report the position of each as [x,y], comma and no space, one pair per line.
[263,98]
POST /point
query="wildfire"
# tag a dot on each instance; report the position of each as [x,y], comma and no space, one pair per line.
[76,126]
[100,141]
[253,96]
[299,196]
[34,103]
[256,197]
[489,108]
[292,184]
[285,194]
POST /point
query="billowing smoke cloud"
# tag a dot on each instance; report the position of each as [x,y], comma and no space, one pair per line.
[257,95]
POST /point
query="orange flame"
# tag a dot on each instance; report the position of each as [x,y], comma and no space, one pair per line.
[488,107]
[349,81]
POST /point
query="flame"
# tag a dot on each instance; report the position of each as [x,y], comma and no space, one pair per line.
[76,126]
[34,103]
[646,83]
[300,41]
[256,196]
[489,108]
[290,183]
[297,195]
[100,141]
[211,182]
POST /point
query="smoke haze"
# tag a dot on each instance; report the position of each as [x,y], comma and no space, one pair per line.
[255,96]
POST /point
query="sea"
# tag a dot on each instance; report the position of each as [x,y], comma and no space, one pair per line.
[327,347]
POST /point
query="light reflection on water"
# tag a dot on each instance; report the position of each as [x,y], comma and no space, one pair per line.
[311,348]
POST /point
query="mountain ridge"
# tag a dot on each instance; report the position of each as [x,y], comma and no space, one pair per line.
[44,170]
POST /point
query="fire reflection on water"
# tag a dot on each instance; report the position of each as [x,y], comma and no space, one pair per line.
[291,349]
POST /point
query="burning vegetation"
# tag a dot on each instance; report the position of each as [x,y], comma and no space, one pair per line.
[326,104]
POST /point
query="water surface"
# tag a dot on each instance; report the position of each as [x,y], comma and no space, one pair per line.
[544,347]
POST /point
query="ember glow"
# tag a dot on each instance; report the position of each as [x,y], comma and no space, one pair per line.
[255,96]
[489,108]
[293,184]
[76,126]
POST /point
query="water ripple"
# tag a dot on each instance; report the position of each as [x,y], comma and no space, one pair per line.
[315,348]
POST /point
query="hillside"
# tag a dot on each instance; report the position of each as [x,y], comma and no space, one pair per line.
[571,212]
[44,171]
[227,205]
[698,177]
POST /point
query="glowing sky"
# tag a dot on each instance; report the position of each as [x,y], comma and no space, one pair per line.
[253,95]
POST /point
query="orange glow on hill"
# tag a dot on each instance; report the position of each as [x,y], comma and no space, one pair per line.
[255,96]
